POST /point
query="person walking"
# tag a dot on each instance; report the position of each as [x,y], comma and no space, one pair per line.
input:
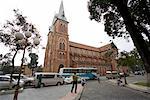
[74,82]
[119,81]
[98,78]
[83,81]
[39,80]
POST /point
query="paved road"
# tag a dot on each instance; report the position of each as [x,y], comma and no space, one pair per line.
[108,91]
[45,93]
[135,78]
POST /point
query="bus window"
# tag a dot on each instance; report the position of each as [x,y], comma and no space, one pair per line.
[74,70]
[88,71]
[65,71]
[70,70]
[80,70]
[94,70]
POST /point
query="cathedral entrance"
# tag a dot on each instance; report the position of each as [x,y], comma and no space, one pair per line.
[60,66]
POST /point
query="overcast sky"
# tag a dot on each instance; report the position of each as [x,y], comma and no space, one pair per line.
[41,13]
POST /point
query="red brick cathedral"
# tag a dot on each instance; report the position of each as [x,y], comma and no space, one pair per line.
[60,52]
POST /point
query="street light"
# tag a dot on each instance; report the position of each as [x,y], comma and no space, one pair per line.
[19,36]
[23,43]
[36,41]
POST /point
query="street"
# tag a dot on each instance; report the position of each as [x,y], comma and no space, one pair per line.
[108,91]
[105,90]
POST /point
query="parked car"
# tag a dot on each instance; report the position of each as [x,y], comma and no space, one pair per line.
[69,80]
[139,73]
[5,82]
[27,80]
[121,74]
[48,79]
[111,74]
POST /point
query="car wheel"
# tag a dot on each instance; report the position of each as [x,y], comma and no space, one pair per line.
[28,83]
[58,83]
[63,82]
[42,85]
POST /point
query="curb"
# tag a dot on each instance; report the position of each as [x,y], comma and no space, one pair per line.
[3,92]
[139,88]
[78,97]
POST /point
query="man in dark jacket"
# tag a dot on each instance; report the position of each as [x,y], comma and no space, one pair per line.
[74,82]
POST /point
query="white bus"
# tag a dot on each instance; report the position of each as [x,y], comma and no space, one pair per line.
[83,72]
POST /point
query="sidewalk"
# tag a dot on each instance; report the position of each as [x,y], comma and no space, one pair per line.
[135,87]
[2,92]
[139,88]
[73,96]
[66,95]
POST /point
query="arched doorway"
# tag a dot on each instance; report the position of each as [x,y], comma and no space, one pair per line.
[60,66]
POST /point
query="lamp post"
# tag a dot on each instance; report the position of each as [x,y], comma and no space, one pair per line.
[23,43]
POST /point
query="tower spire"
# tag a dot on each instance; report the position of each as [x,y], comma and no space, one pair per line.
[61,14]
[61,9]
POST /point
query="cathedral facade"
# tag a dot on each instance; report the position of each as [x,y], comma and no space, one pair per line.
[60,52]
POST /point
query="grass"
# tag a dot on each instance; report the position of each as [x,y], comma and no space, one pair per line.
[143,84]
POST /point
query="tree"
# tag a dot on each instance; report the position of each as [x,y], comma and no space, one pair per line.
[5,63]
[11,36]
[124,18]
[130,59]
[33,62]
[10,29]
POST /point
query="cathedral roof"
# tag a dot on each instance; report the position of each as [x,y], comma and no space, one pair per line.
[83,46]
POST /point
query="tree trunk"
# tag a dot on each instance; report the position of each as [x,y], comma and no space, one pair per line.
[148,81]
[148,78]
[20,71]
[13,66]
[136,36]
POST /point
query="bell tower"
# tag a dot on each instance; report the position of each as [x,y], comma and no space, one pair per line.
[57,49]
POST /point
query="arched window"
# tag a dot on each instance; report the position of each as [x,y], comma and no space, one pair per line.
[60,45]
[63,46]
[63,55]
[60,55]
